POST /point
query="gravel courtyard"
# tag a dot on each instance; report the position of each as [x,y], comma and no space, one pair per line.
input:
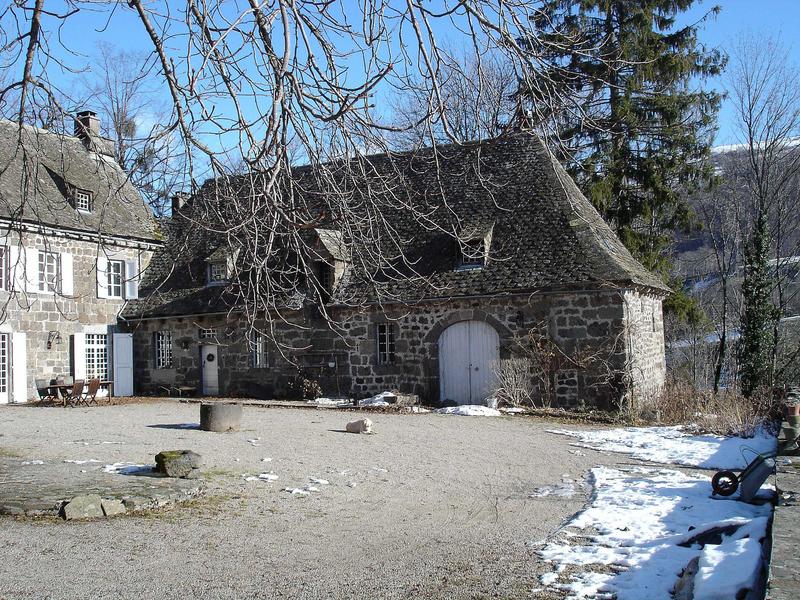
[429,506]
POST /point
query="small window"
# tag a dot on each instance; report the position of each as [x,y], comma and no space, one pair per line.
[473,254]
[4,279]
[163,349]
[386,343]
[207,334]
[115,276]
[82,200]
[258,350]
[325,276]
[49,272]
[97,356]
[217,272]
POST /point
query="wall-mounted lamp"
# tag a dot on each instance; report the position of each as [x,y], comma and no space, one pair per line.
[185,344]
[53,337]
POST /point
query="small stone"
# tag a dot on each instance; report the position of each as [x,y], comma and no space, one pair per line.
[135,502]
[88,506]
[178,463]
[112,507]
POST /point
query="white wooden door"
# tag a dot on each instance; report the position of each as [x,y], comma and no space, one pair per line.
[5,379]
[122,352]
[209,356]
[467,352]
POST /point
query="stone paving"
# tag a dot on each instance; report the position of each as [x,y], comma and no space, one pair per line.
[784,579]
[41,487]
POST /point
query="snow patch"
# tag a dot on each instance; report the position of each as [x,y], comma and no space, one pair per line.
[672,445]
[640,516]
[561,490]
[319,481]
[269,477]
[331,401]
[33,462]
[82,462]
[377,400]
[470,410]
[127,468]
[296,491]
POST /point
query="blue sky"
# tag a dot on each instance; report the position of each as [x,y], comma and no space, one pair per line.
[757,17]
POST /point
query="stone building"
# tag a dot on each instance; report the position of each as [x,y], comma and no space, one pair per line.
[75,237]
[518,258]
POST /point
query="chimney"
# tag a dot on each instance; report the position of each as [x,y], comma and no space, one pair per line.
[87,126]
[179,199]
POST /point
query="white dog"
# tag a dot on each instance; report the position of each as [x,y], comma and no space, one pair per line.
[360,426]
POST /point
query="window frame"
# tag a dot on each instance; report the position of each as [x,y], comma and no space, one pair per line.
[162,349]
[385,343]
[110,274]
[207,333]
[78,197]
[325,276]
[222,266]
[5,278]
[259,358]
[96,353]
[44,285]
[466,262]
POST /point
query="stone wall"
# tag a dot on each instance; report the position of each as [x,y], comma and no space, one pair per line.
[647,367]
[55,318]
[591,325]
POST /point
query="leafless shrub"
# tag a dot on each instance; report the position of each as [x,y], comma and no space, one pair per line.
[726,412]
[515,386]
[530,377]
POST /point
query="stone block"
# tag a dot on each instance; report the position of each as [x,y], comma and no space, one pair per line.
[178,463]
[112,507]
[88,506]
[220,417]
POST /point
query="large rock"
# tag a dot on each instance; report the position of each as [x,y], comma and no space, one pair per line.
[178,463]
[220,417]
[112,507]
[88,506]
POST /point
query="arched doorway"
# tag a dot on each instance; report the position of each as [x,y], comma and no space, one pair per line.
[467,353]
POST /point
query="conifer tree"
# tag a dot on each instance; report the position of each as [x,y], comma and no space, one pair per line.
[759,314]
[641,132]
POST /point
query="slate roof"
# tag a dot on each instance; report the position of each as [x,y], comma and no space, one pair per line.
[545,235]
[37,177]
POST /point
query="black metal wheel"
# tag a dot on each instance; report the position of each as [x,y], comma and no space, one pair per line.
[725,483]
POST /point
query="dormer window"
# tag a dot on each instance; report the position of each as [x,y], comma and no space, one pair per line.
[473,247]
[220,265]
[82,199]
[473,254]
[325,276]
[217,272]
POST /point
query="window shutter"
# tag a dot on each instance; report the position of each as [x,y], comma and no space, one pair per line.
[31,269]
[67,285]
[79,356]
[16,269]
[19,367]
[131,280]
[102,277]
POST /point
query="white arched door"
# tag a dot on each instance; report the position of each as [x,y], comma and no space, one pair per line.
[468,351]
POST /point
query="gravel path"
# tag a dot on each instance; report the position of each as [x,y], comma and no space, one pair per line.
[430,506]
